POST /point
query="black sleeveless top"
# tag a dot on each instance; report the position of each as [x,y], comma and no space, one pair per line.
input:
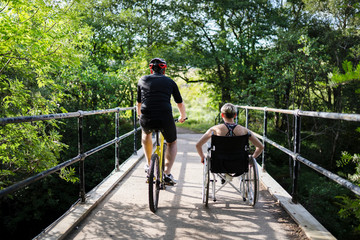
[231,127]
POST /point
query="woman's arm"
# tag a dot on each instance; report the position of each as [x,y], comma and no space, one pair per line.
[259,147]
[201,142]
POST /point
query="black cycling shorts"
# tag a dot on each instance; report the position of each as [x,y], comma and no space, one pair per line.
[166,125]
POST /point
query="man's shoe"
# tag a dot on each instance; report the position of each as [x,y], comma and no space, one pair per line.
[169,179]
[146,168]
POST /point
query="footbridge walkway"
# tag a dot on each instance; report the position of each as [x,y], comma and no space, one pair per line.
[123,212]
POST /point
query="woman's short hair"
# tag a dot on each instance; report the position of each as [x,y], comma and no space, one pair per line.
[229,110]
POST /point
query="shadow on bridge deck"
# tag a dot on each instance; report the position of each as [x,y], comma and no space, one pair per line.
[124,212]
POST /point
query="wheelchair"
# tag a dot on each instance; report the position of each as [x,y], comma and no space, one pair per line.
[228,158]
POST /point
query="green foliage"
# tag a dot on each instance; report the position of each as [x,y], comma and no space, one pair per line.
[38,39]
[342,14]
[349,75]
[88,88]
[199,127]
[220,39]
[33,208]
[350,209]
[43,52]
[62,56]
[199,107]
[68,174]
[320,199]
[350,206]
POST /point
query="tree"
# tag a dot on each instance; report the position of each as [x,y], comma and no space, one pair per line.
[221,39]
[38,38]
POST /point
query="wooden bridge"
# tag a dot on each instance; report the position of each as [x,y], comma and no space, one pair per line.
[118,208]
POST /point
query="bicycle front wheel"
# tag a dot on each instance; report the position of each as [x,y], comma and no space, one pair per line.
[154,183]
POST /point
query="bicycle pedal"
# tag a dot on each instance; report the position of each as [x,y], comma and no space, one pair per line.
[169,184]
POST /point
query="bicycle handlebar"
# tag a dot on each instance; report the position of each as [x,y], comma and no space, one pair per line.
[177,120]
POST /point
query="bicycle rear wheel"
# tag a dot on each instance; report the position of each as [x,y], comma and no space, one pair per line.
[154,183]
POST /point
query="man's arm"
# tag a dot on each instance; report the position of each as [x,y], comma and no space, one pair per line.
[181,107]
[138,108]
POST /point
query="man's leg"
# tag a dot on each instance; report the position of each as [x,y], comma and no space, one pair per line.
[147,144]
[170,155]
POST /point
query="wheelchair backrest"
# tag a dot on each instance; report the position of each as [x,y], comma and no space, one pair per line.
[229,154]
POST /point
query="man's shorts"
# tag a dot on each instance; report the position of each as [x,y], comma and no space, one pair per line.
[166,125]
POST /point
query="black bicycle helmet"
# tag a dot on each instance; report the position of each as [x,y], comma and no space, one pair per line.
[157,65]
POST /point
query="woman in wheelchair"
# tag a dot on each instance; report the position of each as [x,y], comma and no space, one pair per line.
[228,157]
[228,128]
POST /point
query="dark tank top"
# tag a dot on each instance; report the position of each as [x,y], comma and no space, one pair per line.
[230,127]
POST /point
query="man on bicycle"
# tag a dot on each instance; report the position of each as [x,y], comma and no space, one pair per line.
[155,112]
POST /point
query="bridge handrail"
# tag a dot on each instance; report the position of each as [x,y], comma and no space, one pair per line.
[328,115]
[296,154]
[4,121]
[81,156]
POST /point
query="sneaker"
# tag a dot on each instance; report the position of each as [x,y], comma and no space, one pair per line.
[169,179]
[223,180]
[146,168]
[226,178]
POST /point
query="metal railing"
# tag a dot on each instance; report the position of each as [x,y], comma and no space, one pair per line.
[81,154]
[295,154]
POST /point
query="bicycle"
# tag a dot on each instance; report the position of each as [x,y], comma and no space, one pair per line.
[156,171]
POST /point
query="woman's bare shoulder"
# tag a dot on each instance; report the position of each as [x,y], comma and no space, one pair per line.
[241,130]
[217,129]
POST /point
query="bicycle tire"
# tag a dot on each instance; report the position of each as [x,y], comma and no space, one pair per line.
[154,183]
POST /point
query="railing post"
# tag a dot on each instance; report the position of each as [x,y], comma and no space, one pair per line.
[134,121]
[117,143]
[246,117]
[82,162]
[296,153]
[264,136]
[237,115]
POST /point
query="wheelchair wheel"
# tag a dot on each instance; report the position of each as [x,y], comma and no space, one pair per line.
[243,186]
[206,180]
[253,182]
[154,183]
